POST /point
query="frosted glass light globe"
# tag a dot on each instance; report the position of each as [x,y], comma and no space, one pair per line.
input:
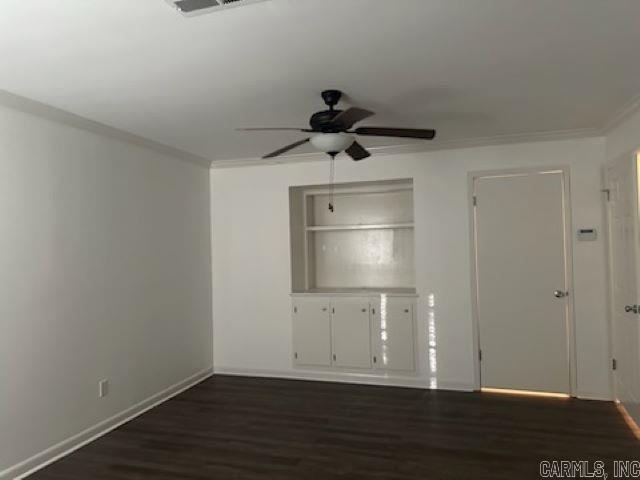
[332,142]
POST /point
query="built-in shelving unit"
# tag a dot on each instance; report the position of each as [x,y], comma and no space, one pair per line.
[366,243]
[353,278]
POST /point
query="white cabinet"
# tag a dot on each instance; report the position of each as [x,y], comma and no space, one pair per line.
[351,333]
[374,333]
[312,332]
[394,327]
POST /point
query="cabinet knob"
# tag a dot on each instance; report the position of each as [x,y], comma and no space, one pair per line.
[364,310]
[406,310]
[324,309]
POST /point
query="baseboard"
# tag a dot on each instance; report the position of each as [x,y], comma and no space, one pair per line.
[54,453]
[455,386]
[594,396]
[344,377]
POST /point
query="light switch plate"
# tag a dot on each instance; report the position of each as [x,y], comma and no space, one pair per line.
[103,388]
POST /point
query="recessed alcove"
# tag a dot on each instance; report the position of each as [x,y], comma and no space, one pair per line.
[365,242]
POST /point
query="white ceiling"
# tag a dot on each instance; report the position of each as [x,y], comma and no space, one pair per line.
[469,68]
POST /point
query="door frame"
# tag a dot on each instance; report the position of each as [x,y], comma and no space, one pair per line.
[634,157]
[473,177]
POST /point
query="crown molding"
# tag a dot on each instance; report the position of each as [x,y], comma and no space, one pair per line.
[421,147]
[628,109]
[48,112]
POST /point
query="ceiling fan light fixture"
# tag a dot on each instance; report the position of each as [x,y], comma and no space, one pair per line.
[332,142]
[332,132]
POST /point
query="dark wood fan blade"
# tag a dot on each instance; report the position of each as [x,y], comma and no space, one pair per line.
[267,129]
[287,148]
[397,132]
[351,116]
[357,152]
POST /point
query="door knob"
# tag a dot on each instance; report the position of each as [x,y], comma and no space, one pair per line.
[560,294]
[632,308]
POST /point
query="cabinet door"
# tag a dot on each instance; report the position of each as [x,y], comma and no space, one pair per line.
[312,331]
[351,333]
[395,328]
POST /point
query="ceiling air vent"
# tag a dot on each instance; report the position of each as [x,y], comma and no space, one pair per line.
[190,8]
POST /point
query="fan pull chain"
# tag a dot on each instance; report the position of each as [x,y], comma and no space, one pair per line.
[332,178]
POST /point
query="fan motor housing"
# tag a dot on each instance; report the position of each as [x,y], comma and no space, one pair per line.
[323,121]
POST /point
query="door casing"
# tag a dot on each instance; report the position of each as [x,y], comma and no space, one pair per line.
[633,156]
[568,248]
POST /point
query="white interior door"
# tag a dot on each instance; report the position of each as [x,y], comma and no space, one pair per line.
[351,333]
[623,231]
[522,281]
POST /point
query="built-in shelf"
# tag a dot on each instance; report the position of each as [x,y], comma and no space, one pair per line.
[384,226]
[353,238]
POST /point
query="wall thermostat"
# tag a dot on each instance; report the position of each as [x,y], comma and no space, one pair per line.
[587,235]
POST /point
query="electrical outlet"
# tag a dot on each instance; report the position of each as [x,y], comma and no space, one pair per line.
[103,388]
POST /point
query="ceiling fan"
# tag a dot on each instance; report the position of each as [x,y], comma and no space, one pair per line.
[333,134]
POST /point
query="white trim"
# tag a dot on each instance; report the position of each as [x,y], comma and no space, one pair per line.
[550,136]
[418,147]
[593,396]
[628,109]
[569,283]
[610,277]
[71,444]
[344,377]
[48,112]
[52,113]
[614,381]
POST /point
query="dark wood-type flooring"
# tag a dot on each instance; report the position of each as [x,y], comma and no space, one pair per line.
[246,428]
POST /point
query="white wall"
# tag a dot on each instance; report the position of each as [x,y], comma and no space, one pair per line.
[104,274]
[251,271]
